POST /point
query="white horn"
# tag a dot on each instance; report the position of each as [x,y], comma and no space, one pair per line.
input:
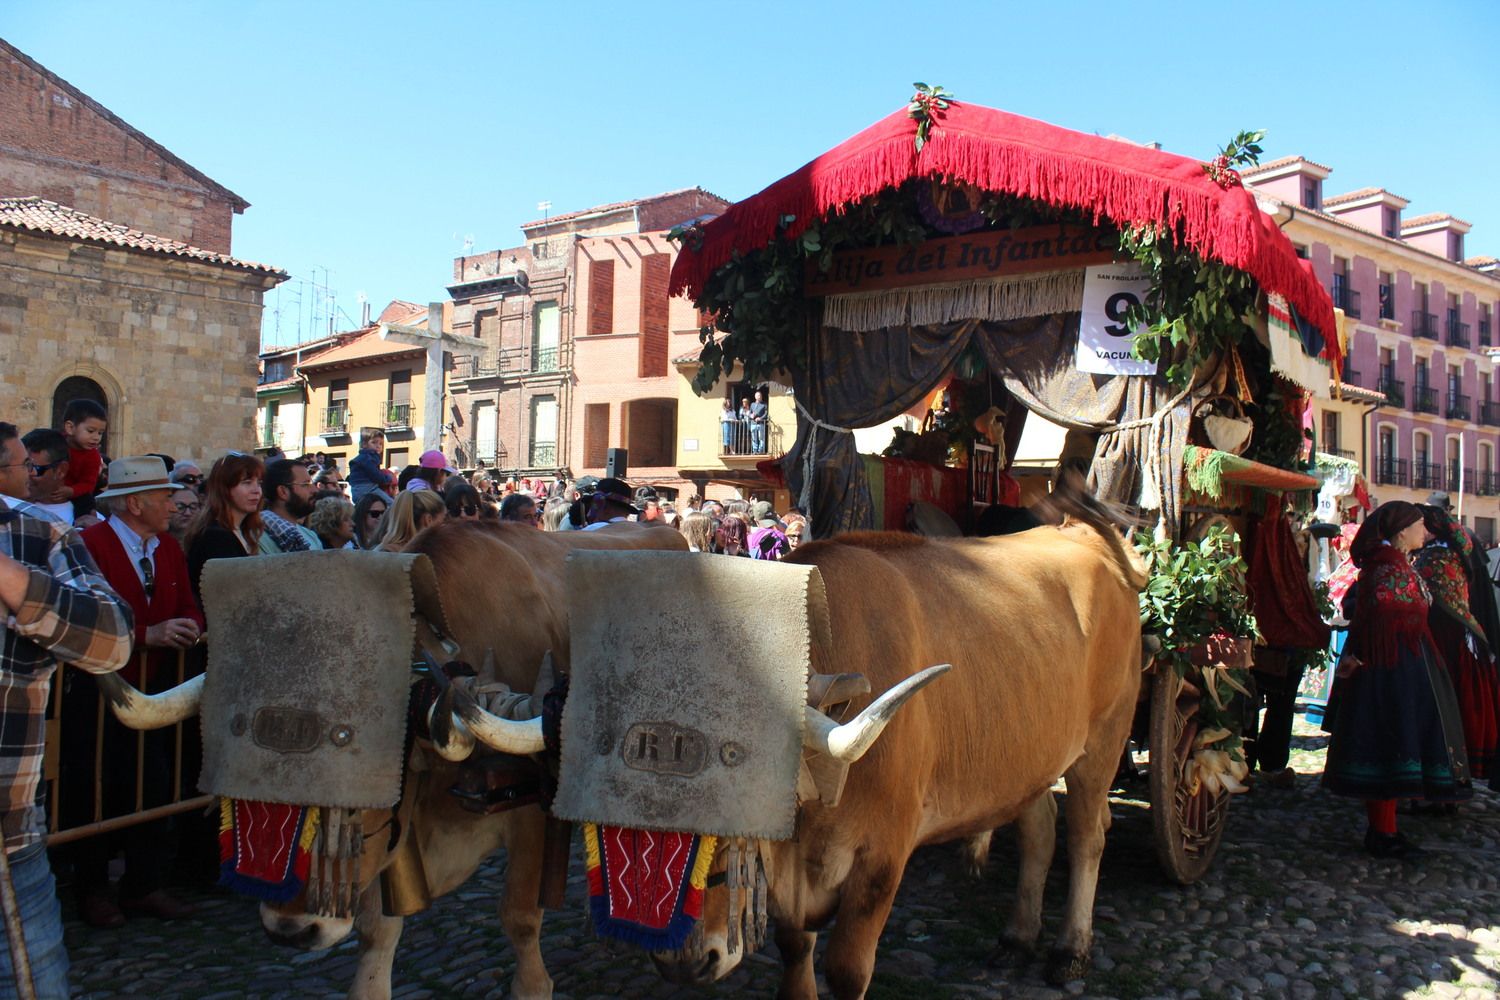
[151,711]
[850,741]
[505,735]
[450,737]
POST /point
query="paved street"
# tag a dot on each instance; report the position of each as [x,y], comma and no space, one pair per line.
[1292,908]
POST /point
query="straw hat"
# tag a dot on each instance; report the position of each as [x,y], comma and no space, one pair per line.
[136,474]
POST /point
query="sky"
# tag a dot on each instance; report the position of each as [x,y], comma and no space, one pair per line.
[376,141]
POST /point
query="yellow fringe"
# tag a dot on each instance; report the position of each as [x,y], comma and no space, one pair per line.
[705,861]
[309,829]
[226,813]
[591,845]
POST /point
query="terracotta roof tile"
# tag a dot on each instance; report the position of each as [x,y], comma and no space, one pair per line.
[1428,219]
[1339,199]
[614,206]
[1282,162]
[38,215]
[366,347]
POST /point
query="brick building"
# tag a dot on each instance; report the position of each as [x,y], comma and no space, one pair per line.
[1420,317]
[579,335]
[116,280]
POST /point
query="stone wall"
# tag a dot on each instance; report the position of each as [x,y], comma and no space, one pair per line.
[172,343]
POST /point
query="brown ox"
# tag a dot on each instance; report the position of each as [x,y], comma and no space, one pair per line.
[1043,632]
[502,590]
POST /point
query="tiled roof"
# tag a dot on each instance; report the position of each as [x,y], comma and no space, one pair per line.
[1284,161]
[366,347]
[1339,199]
[240,204]
[614,207]
[399,311]
[1481,261]
[1429,218]
[38,215]
[279,384]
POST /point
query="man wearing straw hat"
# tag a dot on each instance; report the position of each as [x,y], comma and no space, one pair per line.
[144,564]
[56,608]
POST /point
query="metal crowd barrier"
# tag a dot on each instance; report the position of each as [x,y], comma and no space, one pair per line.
[141,813]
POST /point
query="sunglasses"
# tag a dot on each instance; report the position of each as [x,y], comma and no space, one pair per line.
[42,470]
[373,514]
[191,480]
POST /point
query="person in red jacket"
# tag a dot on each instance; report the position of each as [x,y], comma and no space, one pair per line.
[144,564]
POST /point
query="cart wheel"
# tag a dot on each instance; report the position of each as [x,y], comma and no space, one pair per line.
[1187,826]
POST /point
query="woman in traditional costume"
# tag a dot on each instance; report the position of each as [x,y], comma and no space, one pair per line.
[1445,565]
[1393,717]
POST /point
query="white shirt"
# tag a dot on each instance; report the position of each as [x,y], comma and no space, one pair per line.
[135,548]
[62,511]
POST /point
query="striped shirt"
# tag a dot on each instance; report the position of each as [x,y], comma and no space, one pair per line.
[69,615]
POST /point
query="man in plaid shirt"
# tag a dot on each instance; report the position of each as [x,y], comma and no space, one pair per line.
[57,608]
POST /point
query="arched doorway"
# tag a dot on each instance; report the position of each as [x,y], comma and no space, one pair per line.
[78,387]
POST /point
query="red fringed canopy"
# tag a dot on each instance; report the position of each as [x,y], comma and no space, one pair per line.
[1119,182]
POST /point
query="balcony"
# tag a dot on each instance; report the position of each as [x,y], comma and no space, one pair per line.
[1424,325]
[545,359]
[1427,476]
[1470,483]
[1488,484]
[544,454]
[1394,389]
[1340,452]
[1484,333]
[1345,298]
[335,421]
[737,439]
[270,435]
[1392,472]
[1489,414]
[1458,407]
[1424,399]
[398,416]
[1458,333]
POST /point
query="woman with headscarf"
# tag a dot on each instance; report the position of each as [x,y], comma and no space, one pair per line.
[1444,564]
[1394,726]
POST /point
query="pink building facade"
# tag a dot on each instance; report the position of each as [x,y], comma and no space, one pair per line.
[1420,319]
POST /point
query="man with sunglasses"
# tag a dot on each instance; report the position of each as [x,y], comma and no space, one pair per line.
[144,564]
[47,455]
[186,473]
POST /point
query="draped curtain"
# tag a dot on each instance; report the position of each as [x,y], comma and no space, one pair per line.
[862,379]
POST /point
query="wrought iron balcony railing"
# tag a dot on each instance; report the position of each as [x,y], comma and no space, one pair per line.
[1467,483]
[1393,472]
[1394,389]
[1427,476]
[397,415]
[1458,333]
[1489,413]
[1458,407]
[1424,399]
[1488,484]
[1484,333]
[1424,325]
[543,454]
[1387,302]
[1346,298]
[336,419]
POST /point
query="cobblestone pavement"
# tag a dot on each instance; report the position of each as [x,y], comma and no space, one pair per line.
[1292,908]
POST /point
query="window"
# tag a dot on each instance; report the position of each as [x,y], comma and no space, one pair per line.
[1311,195]
[397,458]
[1387,445]
[1344,297]
[398,399]
[276,370]
[486,433]
[336,414]
[546,331]
[595,434]
[601,297]
[1387,295]
[1484,325]
[656,270]
[1301,249]
[1331,432]
[1390,222]
[543,432]
[1421,447]
[1455,246]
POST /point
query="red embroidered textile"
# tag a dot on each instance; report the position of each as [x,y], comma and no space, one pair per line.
[1119,182]
[1284,606]
[263,848]
[645,887]
[1390,609]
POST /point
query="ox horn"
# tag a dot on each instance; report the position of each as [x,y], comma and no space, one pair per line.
[151,711]
[850,741]
[450,737]
[505,735]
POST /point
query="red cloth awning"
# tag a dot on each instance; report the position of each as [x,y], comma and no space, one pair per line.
[1119,182]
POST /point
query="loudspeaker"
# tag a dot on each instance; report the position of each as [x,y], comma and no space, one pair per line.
[617,463]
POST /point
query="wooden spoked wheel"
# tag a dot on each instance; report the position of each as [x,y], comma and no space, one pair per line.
[1187,825]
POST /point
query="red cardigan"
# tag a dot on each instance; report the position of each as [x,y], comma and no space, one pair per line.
[172,597]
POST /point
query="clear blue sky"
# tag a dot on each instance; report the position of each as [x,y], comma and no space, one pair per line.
[373,139]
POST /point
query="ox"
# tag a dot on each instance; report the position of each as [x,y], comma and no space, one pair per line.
[1043,632]
[502,591]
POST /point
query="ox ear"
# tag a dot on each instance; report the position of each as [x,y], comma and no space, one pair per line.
[850,742]
[151,711]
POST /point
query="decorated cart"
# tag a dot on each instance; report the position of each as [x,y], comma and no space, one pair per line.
[998,267]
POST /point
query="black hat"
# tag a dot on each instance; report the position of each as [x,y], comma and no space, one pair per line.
[585,485]
[616,491]
[644,494]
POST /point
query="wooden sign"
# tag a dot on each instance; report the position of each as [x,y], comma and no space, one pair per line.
[992,254]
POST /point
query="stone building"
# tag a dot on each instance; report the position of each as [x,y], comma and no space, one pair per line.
[116,279]
[1420,317]
[579,334]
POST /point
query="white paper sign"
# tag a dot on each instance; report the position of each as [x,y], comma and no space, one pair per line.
[1104,339]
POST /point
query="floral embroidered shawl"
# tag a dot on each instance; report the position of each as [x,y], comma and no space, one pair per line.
[1391,606]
